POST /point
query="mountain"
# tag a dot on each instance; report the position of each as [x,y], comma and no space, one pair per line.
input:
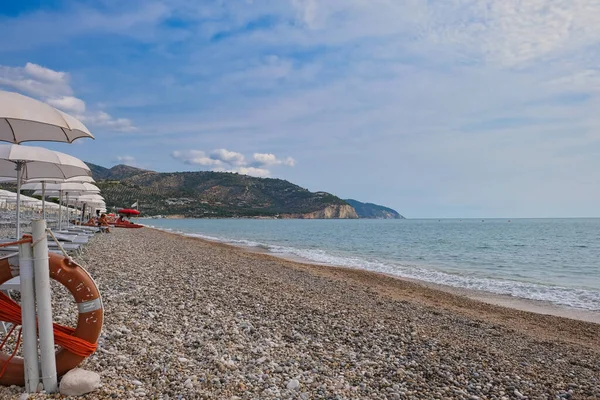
[214,194]
[117,172]
[374,211]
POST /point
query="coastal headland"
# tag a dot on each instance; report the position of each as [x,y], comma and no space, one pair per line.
[187,318]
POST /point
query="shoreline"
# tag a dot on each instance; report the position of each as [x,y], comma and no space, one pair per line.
[516,303]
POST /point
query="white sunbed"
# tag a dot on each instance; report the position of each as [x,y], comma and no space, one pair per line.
[68,246]
[71,238]
[78,231]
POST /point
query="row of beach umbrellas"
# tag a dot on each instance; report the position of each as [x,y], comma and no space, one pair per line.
[23,119]
[47,172]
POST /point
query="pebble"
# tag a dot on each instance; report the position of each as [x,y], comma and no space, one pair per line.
[188,319]
[293,384]
[78,382]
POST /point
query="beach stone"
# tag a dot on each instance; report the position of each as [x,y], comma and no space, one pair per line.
[293,384]
[259,324]
[78,382]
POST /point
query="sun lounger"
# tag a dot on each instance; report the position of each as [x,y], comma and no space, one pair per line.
[13,249]
[68,246]
[78,231]
[65,245]
[63,237]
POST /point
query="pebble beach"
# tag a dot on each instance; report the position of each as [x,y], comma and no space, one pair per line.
[190,319]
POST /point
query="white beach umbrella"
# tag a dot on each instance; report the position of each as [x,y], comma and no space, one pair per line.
[23,119]
[63,186]
[75,179]
[44,181]
[83,197]
[27,162]
[69,188]
[81,179]
[38,162]
[91,199]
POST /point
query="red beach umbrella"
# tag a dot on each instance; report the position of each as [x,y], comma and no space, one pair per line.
[129,211]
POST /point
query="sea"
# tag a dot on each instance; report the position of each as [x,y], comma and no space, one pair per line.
[550,260]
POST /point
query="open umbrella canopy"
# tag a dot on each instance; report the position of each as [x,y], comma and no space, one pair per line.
[85,198]
[24,119]
[65,187]
[129,211]
[39,163]
[81,179]
[28,162]
[75,179]
[88,197]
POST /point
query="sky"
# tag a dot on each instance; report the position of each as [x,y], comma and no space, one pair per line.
[454,108]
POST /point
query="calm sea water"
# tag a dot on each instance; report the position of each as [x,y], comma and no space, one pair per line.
[555,260]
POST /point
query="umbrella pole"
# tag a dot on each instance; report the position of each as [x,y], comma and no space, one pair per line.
[44,200]
[19,173]
[44,305]
[30,351]
[68,211]
[60,210]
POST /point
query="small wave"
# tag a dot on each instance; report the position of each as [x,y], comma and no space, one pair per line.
[580,246]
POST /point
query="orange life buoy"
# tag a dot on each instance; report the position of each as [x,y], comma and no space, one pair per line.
[89,323]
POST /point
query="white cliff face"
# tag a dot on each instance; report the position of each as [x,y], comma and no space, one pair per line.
[336,211]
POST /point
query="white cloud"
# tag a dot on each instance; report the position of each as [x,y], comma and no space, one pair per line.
[499,33]
[267,159]
[229,157]
[585,80]
[128,160]
[100,118]
[54,88]
[68,104]
[223,160]
[46,74]
[27,80]
[196,157]
[259,172]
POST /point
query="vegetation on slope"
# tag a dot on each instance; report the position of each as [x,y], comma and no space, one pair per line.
[206,194]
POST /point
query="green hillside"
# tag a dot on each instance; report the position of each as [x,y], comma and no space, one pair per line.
[208,194]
